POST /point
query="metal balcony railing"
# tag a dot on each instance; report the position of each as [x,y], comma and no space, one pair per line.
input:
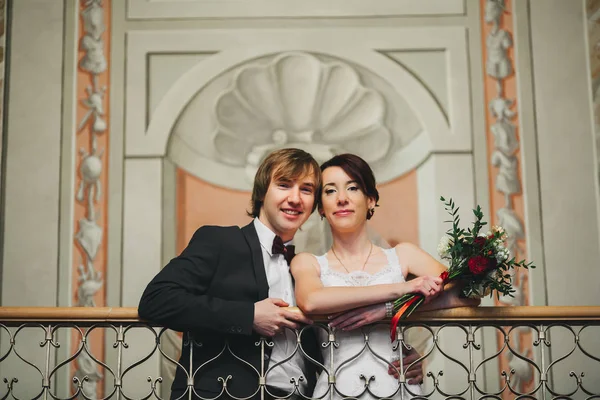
[470,353]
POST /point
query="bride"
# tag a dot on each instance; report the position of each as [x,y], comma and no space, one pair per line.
[357,273]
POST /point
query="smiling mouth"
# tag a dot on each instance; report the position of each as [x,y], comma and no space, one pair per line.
[343,212]
[292,212]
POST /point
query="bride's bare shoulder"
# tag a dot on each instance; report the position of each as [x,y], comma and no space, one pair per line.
[305,257]
[302,261]
[407,248]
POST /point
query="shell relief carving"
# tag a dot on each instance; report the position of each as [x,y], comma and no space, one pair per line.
[298,101]
[318,103]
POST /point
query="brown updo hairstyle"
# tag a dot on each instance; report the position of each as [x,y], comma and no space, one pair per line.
[357,169]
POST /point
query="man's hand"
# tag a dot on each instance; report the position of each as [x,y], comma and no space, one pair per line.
[414,374]
[353,319]
[270,318]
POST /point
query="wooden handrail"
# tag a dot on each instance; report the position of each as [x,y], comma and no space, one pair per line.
[462,314]
[73,314]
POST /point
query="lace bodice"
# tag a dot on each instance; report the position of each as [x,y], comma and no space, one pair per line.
[391,273]
[360,352]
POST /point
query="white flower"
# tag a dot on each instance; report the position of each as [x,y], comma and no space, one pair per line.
[444,246]
[500,230]
[502,253]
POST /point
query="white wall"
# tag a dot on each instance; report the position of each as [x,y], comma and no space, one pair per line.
[568,182]
[567,174]
[29,265]
[31,208]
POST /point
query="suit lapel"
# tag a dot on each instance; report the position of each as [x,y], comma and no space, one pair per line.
[257,260]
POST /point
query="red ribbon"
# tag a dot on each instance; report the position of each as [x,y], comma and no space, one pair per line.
[398,315]
[444,275]
[394,324]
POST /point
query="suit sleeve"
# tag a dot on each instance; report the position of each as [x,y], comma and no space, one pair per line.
[176,298]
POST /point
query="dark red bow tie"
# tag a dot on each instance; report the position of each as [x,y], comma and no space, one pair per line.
[279,248]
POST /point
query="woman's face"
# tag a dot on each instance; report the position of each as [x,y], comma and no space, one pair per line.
[344,204]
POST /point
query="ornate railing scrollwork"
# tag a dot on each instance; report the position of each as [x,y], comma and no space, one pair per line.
[565,359]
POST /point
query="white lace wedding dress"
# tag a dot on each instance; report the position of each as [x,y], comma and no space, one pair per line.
[361,360]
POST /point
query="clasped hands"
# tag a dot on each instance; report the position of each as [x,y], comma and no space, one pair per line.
[271,317]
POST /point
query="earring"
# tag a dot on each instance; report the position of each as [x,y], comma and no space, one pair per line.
[370,212]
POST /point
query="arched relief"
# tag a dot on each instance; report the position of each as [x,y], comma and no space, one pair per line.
[223,125]
[298,100]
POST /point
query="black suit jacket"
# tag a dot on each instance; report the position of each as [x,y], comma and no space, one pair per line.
[209,292]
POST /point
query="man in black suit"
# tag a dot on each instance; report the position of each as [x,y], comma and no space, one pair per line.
[231,285]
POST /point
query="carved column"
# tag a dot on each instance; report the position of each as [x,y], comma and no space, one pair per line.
[90,210]
[506,196]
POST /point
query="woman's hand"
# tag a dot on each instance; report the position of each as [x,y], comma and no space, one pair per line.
[354,319]
[428,286]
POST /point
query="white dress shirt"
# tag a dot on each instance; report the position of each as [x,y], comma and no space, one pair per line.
[282,287]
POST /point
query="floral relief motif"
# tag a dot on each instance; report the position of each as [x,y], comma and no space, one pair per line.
[505,135]
[507,180]
[498,64]
[93,25]
[297,100]
[89,235]
[87,367]
[89,193]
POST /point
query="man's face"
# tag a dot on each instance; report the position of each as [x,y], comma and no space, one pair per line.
[287,204]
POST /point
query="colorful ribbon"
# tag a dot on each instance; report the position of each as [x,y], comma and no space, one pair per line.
[415,299]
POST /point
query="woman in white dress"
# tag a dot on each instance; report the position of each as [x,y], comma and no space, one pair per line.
[355,273]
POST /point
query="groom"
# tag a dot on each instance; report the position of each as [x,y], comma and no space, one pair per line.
[231,285]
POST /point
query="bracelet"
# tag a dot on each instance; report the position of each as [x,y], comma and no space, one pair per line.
[389,309]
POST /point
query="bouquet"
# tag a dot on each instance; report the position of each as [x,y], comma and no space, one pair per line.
[480,260]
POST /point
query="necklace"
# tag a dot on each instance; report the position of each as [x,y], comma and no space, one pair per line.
[342,264]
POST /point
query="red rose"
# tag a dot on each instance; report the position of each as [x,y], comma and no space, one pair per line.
[479,241]
[479,264]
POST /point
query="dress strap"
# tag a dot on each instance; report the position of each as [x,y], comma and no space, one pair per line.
[392,257]
[393,260]
[323,262]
